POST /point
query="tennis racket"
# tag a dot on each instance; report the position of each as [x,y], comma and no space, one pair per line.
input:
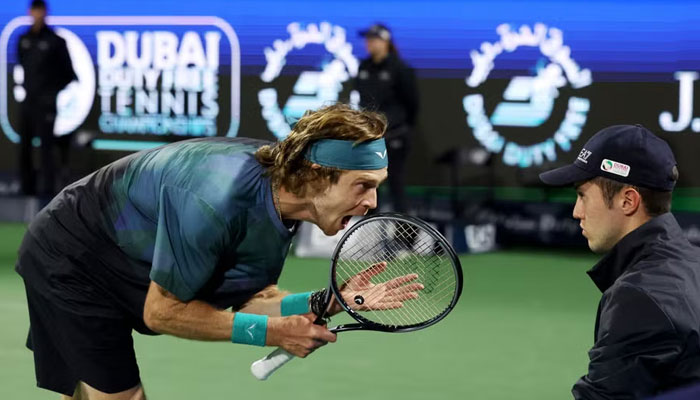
[373,276]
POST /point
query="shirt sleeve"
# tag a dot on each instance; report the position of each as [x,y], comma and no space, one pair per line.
[190,236]
[636,342]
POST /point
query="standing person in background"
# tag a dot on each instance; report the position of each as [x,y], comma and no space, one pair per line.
[47,70]
[387,84]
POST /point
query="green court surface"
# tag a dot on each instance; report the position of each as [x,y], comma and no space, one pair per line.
[521,331]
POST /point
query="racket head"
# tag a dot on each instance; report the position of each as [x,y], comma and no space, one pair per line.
[409,246]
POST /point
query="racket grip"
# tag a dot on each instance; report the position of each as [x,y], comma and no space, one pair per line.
[265,366]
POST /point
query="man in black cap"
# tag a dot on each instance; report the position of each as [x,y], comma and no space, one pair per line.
[388,84]
[647,334]
[47,70]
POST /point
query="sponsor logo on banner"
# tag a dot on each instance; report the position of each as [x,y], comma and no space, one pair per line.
[151,77]
[528,100]
[480,238]
[685,120]
[313,89]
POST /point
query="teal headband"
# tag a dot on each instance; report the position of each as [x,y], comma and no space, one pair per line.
[345,154]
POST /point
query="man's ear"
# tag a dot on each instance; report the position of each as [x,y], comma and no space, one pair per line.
[631,200]
[315,166]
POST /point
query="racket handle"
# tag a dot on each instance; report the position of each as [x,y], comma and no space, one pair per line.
[265,366]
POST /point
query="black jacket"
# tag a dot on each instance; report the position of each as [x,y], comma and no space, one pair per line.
[389,87]
[46,63]
[647,335]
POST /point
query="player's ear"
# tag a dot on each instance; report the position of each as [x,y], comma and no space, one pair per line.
[631,200]
[315,166]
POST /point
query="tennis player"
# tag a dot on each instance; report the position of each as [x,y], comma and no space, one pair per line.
[647,333]
[164,241]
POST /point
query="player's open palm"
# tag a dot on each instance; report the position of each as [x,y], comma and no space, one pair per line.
[298,334]
[361,294]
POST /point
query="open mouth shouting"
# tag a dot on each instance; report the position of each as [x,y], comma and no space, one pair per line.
[345,221]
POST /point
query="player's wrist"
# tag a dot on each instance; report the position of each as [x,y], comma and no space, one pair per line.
[295,304]
[302,303]
[317,302]
[278,328]
[249,329]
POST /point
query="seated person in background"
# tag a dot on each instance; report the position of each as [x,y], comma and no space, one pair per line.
[647,333]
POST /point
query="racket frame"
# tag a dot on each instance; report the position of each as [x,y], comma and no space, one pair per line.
[264,367]
[364,323]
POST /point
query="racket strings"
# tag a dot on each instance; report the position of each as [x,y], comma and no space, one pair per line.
[422,248]
[418,312]
[407,249]
[436,263]
[432,306]
[388,274]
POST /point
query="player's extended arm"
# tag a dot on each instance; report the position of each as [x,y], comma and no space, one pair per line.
[265,302]
[198,320]
[195,319]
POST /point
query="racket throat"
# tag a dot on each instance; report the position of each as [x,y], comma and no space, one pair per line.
[347,327]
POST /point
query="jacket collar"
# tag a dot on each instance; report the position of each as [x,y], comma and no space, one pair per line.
[631,248]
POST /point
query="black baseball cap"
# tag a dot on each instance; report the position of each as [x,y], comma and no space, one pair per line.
[376,31]
[630,154]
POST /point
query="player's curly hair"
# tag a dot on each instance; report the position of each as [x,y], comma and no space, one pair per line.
[284,161]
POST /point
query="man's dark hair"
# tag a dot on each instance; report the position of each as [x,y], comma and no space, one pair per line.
[37,4]
[655,202]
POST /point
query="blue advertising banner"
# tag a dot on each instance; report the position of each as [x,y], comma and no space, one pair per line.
[528,82]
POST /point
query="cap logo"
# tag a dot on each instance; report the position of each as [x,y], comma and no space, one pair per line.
[583,156]
[615,167]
